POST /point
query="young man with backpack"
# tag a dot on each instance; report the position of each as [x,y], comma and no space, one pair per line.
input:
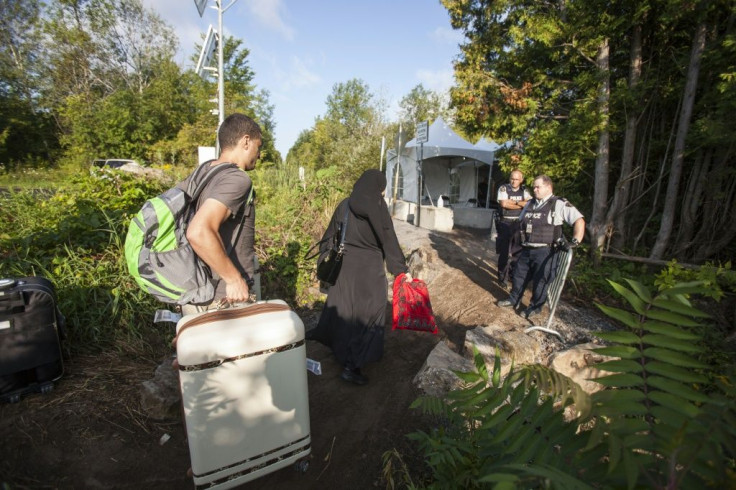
[225,214]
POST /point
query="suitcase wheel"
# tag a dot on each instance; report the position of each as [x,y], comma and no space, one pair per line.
[46,388]
[302,465]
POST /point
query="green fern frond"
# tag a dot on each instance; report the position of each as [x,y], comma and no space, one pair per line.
[634,299]
[496,375]
[659,340]
[619,351]
[675,403]
[673,357]
[607,397]
[672,330]
[683,288]
[433,406]
[503,424]
[641,290]
[664,420]
[621,380]
[669,419]
[556,385]
[675,372]
[649,415]
[678,389]
[480,364]
[623,316]
[678,305]
[671,317]
[617,407]
[561,479]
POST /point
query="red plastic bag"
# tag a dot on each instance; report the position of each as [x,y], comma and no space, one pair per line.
[411,305]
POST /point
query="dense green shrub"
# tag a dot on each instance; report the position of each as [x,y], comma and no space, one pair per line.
[291,217]
[666,419]
[73,234]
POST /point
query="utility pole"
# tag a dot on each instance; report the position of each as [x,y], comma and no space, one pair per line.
[220,67]
[220,60]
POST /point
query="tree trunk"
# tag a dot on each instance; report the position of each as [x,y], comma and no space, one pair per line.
[617,213]
[653,203]
[597,227]
[716,217]
[688,100]
[691,204]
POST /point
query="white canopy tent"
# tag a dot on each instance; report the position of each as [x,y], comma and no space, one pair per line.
[449,165]
[488,145]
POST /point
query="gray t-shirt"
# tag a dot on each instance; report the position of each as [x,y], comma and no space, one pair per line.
[232,187]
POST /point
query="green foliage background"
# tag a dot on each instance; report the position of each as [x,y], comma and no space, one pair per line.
[69,94]
[665,419]
[74,235]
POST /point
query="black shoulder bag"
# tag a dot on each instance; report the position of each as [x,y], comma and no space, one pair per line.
[329,264]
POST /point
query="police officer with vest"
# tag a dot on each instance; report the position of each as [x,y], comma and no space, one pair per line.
[541,229]
[511,197]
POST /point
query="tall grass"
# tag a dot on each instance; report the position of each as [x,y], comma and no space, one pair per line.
[34,178]
[73,234]
[291,217]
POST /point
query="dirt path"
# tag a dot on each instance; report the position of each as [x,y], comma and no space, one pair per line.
[90,433]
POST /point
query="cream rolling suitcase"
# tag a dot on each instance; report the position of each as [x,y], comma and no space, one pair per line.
[243,379]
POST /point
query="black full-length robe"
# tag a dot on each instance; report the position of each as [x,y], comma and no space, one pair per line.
[352,321]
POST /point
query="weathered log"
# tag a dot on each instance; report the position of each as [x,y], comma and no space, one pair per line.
[646,260]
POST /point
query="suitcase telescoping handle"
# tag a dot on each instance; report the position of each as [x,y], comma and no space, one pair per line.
[230,314]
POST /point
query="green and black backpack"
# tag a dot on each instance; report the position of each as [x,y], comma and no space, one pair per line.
[157,251]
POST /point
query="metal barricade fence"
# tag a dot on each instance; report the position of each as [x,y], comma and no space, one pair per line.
[554,291]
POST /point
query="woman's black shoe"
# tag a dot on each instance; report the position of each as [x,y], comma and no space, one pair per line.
[353,376]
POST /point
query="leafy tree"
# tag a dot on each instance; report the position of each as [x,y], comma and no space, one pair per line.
[302,153]
[241,95]
[111,79]
[349,107]
[421,104]
[567,82]
[348,137]
[134,41]
[26,130]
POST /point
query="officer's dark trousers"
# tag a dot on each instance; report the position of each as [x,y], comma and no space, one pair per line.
[506,246]
[503,236]
[538,266]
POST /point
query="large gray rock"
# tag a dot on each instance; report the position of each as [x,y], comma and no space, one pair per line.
[436,376]
[514,346]
[579,364]
[161,396]
[425,264]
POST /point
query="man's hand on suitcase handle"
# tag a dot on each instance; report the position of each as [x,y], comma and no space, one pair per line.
[225,303]
[237,291]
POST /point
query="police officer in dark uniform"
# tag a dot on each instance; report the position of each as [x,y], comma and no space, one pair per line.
[541,226]
[512,198]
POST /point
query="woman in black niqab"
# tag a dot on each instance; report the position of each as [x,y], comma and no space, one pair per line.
[353,318]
